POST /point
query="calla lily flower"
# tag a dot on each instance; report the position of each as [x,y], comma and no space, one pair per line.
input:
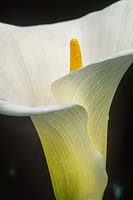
[70,110]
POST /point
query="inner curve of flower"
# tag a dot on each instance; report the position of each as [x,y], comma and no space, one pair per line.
[75,55]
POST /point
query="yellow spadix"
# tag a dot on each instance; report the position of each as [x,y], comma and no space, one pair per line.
[75,55]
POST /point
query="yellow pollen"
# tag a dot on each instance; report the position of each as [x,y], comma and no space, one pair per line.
[75,55]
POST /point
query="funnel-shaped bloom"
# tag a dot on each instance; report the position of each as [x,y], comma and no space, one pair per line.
[69,110]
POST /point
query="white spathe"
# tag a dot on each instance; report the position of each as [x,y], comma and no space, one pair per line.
[32,59]
[108,31]
[38,55]
[94,87]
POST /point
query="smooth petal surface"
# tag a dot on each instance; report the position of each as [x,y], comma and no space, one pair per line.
[77,170]
[107,32]
[31,59]
[8,108]
[93,87]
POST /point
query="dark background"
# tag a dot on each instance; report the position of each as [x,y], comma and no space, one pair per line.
[23,170]
[29,12]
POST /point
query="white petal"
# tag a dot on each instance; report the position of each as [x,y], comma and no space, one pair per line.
[31,59]
[8,108]
[107,32]
[77,171]
[93,87]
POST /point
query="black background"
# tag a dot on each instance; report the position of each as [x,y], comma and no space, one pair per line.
[23,169]
[29,12]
